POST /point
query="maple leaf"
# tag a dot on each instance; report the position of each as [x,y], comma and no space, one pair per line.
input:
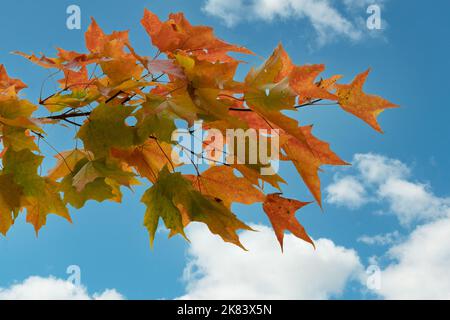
[180,104]
[329,84]
[74,100]
[252,172]
[221,183]
[23,165]
[172,194]
[40,195]
[269,98]
[281,213]
[67,161]
[301,80]
[99,189]
[75,80]
[74,60]
[17,113]
[366,107]
[106,128]
[6,81]
[102,168]
[198,94]
[97,40]
[308,158]
[18,139]
[44,202]
[41,61]
[118,65]
[206,74]
[178,34]
[87,174]
[159,200]
[65,60]
[165,66]
[147,159]
[154,120]
[10,201]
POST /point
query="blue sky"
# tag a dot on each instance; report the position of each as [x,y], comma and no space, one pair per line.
[409,61]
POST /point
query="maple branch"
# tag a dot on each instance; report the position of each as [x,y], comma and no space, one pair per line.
[68,114]
[114,96]
[66,88]
[202,156]
[230,96]
[307,104]
[41,137]
[72,122]
[196,169]
[65,116]
[163,152]
[43,83]
[240,109]
[317,104]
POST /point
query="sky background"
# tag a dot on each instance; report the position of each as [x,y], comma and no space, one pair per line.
[390,209]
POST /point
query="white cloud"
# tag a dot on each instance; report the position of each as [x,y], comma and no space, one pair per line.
[323,15]
[382,180]
[51,288]
[229,11]
[380,239]
[375,168]
[413,201]
[418,265]
[421,267]
[217,270]
[347,191]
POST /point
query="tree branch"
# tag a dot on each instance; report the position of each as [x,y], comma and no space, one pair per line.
[65,116]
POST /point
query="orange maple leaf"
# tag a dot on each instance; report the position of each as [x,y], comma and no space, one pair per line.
[6,81]
[308,158]
[301,80]
[96,39]
[281,213]
[366,107]
[178,34]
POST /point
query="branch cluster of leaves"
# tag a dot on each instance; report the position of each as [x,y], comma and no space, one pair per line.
[191,78]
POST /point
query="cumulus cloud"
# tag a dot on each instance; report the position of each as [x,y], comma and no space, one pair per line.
[415,264]
[382,180]
[217,270]
[229,11]
[413,201]
[51,288]
[375,168]
[347,191]
[323,15]
[421,264]
[418,264]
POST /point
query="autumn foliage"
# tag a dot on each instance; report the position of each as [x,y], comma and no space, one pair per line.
[191,78]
